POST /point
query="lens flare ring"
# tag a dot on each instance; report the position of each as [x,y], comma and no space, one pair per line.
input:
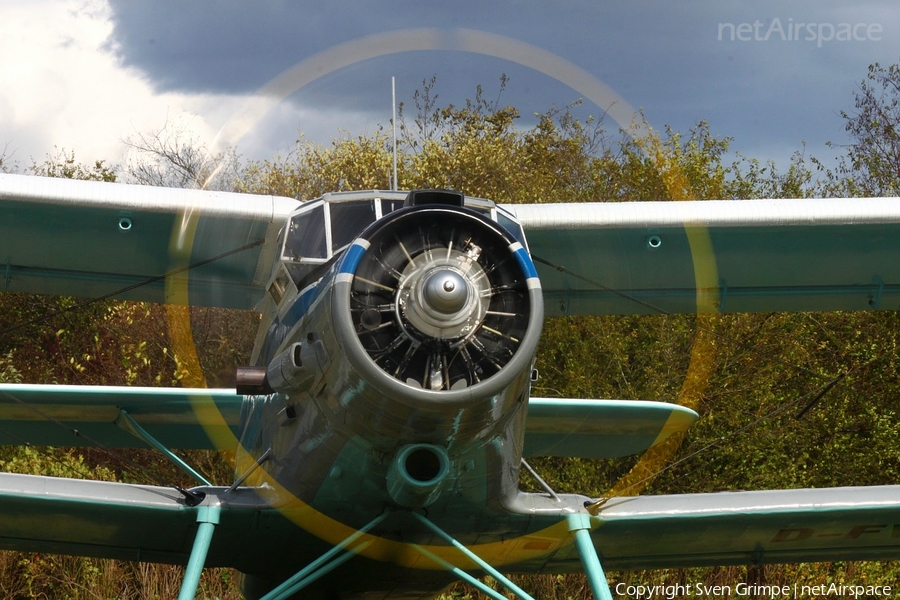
[417,40]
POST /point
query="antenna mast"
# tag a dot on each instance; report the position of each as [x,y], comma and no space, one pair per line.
[394,126]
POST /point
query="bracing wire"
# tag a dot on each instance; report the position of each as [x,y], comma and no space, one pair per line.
[49,315]
[814,397]
[192,498]
[661,311]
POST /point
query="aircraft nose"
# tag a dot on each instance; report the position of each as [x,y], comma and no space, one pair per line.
[445,291]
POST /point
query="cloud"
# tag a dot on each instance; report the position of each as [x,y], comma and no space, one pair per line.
[63,90]
[86,74]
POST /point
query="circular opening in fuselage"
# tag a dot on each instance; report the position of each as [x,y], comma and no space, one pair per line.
[423,465]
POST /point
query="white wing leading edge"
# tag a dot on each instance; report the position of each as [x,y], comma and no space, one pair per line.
[90,239]
[707,256]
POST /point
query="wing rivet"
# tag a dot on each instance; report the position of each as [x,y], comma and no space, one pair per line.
[654,241]
[124,223]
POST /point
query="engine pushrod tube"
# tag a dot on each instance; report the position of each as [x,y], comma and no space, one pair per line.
[321,565]
[476,559]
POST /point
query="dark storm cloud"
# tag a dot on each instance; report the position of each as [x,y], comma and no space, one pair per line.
[664,56]
[237,47]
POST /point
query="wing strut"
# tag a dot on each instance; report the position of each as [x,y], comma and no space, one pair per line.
[502,579]
[322,565]
[125,421]
[208,518]
[580,527]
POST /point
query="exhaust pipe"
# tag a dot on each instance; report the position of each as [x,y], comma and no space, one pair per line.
[297,368]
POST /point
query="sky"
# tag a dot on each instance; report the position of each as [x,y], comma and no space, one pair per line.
[86,75]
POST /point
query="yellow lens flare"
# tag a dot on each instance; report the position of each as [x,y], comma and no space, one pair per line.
[703,349]
[702,359]
[178,319]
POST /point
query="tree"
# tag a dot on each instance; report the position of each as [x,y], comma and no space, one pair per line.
[872,164]
[173,156]
[63,164]
[754,432]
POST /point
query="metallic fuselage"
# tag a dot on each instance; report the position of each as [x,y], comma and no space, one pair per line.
[353,436]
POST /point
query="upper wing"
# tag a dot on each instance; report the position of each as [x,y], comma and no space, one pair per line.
[730,256]
[60,236]
[86,238]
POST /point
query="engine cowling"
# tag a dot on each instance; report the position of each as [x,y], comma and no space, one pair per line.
[440,309]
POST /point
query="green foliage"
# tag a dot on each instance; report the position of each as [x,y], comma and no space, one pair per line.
[63,164]
[115,342]
[62,463]
[46,576]
[479,149]
[311,170]
[764,421]
[752,179]
[476,148]
[871,166]
[8,371]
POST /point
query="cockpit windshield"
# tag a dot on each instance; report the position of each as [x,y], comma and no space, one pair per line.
[321,229]
[348,220]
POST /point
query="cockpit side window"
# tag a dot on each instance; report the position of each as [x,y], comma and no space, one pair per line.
[348,220]
[306,238]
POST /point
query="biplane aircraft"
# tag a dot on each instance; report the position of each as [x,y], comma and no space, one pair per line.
[382,425]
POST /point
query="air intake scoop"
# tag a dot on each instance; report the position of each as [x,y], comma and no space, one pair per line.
[445,197]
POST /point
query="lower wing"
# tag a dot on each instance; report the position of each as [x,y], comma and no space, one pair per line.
[158,524]
[76,415]
[780,526]
[136,522]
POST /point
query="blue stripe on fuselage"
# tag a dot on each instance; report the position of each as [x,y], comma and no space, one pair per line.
[279,329]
